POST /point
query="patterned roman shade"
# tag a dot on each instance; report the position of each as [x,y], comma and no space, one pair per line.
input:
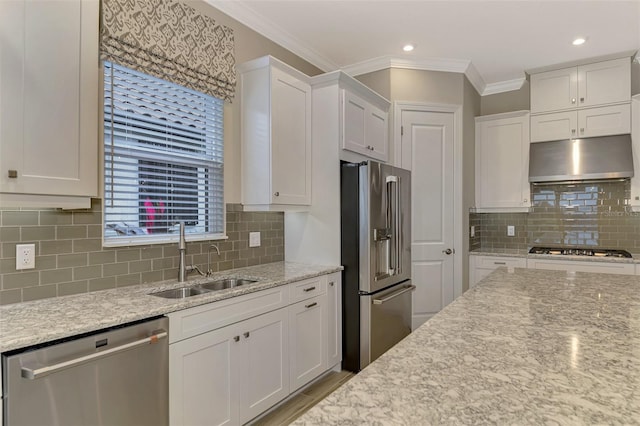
[170,40]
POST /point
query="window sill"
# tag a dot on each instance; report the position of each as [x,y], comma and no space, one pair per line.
[164,239]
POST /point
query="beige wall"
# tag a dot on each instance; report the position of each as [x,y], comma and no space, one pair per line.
[426,86]
[248,45]
[378,81]
[515,100]
[635,77]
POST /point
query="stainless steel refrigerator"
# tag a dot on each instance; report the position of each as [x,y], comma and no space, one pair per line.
[376,255]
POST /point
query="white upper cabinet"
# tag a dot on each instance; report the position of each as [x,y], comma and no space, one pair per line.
[49,83]
[275,103]
[600,83]
[502,162]
[365,127]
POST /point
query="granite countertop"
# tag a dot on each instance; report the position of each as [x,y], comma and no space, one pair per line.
[530,347]
[526,254]
[29,323]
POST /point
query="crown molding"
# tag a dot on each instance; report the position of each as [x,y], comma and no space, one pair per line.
[503,86]
[247,16]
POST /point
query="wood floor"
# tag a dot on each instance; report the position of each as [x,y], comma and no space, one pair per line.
[302,402]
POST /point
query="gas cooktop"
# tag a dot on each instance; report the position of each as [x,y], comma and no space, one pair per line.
[577,251]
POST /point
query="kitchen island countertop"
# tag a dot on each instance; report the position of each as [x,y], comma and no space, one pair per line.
[529,347]
[29,323]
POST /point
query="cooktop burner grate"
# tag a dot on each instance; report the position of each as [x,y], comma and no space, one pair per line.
[577,251]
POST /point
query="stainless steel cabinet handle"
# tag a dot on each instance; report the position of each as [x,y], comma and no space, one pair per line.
[246,335]
[13,174]
[581,99]
[394,295]
[309,289]
[573,100]
[35,373]
[582,130]
[331,283]
[236,338]
[573,131]
[311,305]
[499,263]
[447,251]
[277,194]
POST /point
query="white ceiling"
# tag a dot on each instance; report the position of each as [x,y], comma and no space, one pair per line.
[493,42]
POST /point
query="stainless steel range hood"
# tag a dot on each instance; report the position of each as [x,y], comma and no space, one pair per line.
[606,157]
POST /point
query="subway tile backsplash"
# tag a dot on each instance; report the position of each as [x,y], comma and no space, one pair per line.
[579,215]
[70,258]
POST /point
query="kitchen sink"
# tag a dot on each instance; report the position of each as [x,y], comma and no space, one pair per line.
[180,293]
[226,283]
[219,284]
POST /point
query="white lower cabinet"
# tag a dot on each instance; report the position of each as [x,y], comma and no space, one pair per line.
[232,360]
[481,266]
[307,341]
[230,375]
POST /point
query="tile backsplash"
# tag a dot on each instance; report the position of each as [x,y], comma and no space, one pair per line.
[579,215]
[70,258]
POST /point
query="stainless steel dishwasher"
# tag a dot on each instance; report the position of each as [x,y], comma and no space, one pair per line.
[117,376]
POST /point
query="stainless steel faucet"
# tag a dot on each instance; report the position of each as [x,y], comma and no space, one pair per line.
[212,246]
[182,249]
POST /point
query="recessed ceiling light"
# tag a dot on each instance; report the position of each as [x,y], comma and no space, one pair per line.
[408,47]
[579,41]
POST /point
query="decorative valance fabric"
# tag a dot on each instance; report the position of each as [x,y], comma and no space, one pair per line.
[170,40]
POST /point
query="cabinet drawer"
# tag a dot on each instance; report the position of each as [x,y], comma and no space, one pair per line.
[306,289]
[577,266]
[492,262]
[201,319]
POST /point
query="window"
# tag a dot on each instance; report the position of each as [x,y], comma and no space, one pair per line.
[163,160]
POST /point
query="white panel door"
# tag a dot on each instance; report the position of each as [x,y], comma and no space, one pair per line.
[427,150]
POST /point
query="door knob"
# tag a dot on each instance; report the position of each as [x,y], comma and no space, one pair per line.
[447,251]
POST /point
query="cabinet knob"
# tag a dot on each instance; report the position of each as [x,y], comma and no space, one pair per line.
[13,174]
[246,335]
[582,130]
[236,338]
[277,194]
[573,100]
[331,283]
[525,200]
[581,99]
[573,131]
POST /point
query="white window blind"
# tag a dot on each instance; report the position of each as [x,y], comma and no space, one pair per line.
[163,160]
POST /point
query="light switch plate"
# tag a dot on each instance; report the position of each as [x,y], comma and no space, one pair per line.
[254,239]
[511,231]
[25,256]
[473,231]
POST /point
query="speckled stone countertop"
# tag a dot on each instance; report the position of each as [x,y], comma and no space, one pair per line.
[530,347]
[29,323]
[525,254]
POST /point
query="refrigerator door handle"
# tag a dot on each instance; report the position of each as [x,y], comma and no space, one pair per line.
[395,254]
[394,295]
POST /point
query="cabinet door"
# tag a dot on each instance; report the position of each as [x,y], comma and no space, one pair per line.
[502,163]
[290,139]
[377,134]
[264,363]
[364,127]
[555,126]
[49,103]
[604,82]
[554,90]
[611,120]
[334,319]
[203,383]
[307,340]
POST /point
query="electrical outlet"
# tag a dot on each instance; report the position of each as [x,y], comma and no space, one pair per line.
[25,256]
[511,231]
[254,239]
[473,231]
